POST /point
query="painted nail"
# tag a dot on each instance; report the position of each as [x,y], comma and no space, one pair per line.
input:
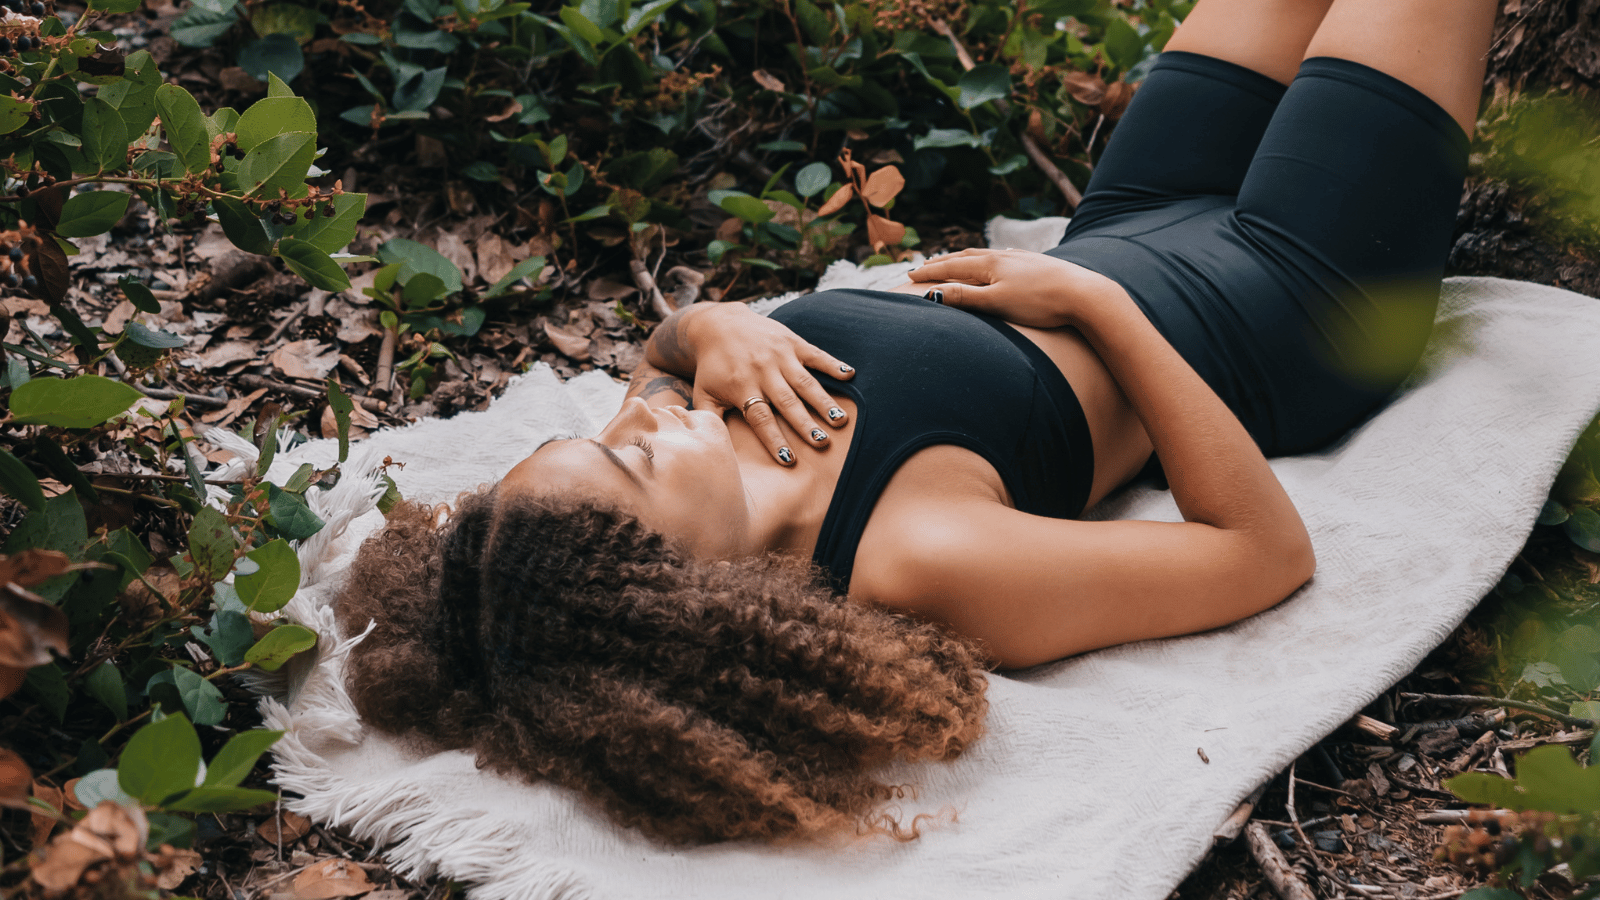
[935,295]
[786,456]
[845,369]
[818,435]
[835,414]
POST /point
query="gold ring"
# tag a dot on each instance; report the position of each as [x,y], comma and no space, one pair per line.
[752,402]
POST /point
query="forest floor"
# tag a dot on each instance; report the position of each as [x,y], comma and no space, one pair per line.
[1355,827]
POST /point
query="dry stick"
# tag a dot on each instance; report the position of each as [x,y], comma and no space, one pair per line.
[164,394]
[1294,819]
[385,360]
[1563,718]
[1035,153]
[1280,874]
[1231,826]
[294,316]
[305,393]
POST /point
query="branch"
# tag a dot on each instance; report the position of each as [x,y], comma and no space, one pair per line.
[1032,149]
[1536,709]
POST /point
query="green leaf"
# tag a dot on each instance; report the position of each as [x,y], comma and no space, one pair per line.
[301,479]
[742,205]
[312,264]
[17,481]
[162,759]
[330,234]
[105,684]
[581,26]
[592,213]
[274,117]
[243,228]
[983,83]
[219,799]
[105,141]
[811,180]
[1123,44]
[342,407]
[414,257]
[211,543]
[185,127]
[101,785]
[139,295]
[946,137]
[1481,787]
[229,635]
[49,684]
[81,402]
[134,96]
[166,828]
[1490,893]
[289,513]
[528,268]
[200,27]
[1552,781]
[279,645]
[181,690]
[422,289]
[1583,527]
[13,113]
[391,495]
[274,583]
[278,162]
[238,756]
[276,54]
[814,22]
[153,338]
[113,6]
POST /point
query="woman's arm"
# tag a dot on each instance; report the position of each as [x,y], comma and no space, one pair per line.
[729,354]
[1036,589]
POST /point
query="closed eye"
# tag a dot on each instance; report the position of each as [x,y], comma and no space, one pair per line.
[642,444]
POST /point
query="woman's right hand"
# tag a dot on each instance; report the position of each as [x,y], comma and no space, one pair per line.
[1019,286]
[734,355]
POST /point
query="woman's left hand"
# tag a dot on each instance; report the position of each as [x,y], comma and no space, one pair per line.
[1019,286]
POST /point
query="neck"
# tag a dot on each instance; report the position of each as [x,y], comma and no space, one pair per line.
[787,504]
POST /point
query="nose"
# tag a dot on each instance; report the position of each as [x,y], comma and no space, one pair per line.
[635,416]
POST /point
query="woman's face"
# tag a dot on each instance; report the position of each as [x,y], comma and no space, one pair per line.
[672,468]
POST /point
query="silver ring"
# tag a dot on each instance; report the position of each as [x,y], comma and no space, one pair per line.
[752,402]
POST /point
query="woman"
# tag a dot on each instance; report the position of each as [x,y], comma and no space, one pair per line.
[1252,269]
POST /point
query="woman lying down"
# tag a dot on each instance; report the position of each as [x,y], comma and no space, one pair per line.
[794,553]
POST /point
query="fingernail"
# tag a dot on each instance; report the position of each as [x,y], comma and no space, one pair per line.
[845,369]
[935,295]
[835,413]
[818,435]
[786,456]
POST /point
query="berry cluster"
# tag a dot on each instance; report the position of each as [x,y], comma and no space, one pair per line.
[35,8]
[13,262]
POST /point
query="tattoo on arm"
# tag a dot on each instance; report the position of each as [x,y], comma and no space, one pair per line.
[648,388]
[668,341]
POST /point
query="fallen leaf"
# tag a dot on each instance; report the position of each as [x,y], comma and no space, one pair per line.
[29,629]
[607,289]
[453,248]
[236,406]
[1116,100]
[309,359]
[496,256]
[15,779]
[227,353]
[173,865]
[43,824]
[108,833]
[1085,88]
[294,827]
[572,346]
[235,78]
[331,878]
[31,568]
[766,80]
[118,317]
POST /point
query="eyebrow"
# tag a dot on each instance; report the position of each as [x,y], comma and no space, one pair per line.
[617,461]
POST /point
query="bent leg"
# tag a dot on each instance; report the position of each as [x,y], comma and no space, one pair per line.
[1267,36]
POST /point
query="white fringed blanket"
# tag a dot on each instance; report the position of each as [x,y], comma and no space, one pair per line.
[1088,783]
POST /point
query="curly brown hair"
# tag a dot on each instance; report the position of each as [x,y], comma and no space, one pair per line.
[695,700]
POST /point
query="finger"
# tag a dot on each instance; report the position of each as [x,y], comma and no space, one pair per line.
[702,399]
[765,424]
[978,297]
[795,401]
[813,357]
[957,267]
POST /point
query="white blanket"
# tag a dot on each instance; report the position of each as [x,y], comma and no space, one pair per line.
[1090,781]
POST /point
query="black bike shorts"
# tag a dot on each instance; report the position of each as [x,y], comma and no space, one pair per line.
[1289,242]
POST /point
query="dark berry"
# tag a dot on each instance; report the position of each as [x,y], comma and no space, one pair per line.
[310,214]
[16,253]
[24,44]
[327,211]
[30,283]
[37,9]
[12,280]
[5,45]
[286,218]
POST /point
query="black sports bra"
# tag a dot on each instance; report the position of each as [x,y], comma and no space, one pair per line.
[929,374]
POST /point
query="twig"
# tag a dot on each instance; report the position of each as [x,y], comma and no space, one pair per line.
[1231,826]
[1311,849]
[294,316]
[196,399]
[1323,787]
[385,360]
[1536,709]
[1444,816]
[305,393]
[1280,874]
[1032,149]
[141,476]
[1381,730]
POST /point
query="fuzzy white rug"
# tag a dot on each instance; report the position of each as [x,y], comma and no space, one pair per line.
[1090,782]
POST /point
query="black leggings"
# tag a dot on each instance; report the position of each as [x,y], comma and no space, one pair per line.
[1288,242]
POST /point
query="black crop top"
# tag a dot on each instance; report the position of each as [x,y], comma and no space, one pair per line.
[929,374]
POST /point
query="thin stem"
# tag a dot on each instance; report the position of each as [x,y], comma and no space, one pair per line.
[1536,709]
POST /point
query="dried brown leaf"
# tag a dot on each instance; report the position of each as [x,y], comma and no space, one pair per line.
[1116,100]
[235,407]
[837,201]
[609,290]
[855,173]
[173,865]
[15,779]
[455,249]
[285,827]
[496,256]
[1085,88]
[29,629]
[309,359]
[43,824]
[883,186]
[766,80]
[512,108]
[572,346]
[882,232]
[227,353]
[331,878]
[31,568]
